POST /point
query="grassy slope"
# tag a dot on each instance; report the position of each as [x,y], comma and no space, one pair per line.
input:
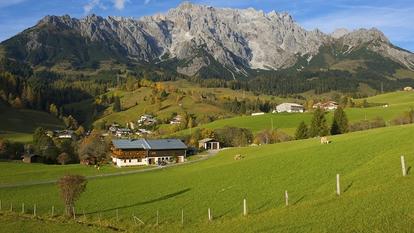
[376,198]
[399,102]
[190,103]
[19,124]
[17,172]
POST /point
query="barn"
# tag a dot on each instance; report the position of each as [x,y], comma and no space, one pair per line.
[209,144]
[134,152]
[32,158]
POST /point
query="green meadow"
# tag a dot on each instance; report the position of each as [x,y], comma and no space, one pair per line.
[398,103]
[19,124]
[374,195]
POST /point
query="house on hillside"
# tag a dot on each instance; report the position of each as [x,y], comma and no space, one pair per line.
[123,132]
[327,106]
[289,107]
[113,128]
[209,144]
[176,120]
[408,89]
[147,119]
[133,152]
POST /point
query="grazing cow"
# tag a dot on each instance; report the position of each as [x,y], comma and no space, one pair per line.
[324,140]
[238,157]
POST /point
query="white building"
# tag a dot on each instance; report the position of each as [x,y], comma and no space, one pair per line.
[258,113]
[289,107]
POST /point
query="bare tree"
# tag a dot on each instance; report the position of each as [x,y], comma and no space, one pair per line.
[71,187]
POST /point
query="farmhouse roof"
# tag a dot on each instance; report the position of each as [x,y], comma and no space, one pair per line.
[149,144]
[291,104]
[206,140]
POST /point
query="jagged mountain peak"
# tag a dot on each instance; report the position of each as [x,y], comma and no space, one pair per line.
[199,35]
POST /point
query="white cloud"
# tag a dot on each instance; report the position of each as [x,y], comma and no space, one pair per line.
[6,3]
[119,4]
[87,8]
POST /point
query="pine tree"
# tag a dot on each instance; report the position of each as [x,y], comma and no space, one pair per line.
[318,126]
[302,132]
[340,122]
[117,104]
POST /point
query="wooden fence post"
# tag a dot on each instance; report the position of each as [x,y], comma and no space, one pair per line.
[244,207]
[182,217]
[404,171]
[210,217]
[74,214]
[0,205]
[22,208]
[286,198]
[34,210]
[53,210]
[158,215]
[338,187]
[11,207]
[117,215]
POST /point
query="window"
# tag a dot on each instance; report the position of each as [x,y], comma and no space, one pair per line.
[139,160]
[124,160]
[130,160]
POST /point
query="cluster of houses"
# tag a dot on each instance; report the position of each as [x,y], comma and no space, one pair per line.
[297,108]
[327,106]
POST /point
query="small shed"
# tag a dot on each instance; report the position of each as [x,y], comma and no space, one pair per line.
[32,158]
[209,144]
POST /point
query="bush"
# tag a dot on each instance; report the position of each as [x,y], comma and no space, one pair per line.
[233,136]
[270,137]
[366,124]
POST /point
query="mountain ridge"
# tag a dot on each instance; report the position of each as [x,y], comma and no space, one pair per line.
[197,36]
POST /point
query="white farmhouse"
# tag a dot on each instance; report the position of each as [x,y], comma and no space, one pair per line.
[289,107]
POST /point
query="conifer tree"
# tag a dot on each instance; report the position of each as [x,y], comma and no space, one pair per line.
[302,132]
[318,126]
[117,104]
[340,122]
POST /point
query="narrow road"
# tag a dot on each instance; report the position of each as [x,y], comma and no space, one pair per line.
[207,156]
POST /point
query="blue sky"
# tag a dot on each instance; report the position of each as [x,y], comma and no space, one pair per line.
[395,18]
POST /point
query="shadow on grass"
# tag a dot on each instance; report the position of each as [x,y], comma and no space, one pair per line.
[299,200]
[225,213]
[408,170]
[162,198]
[348,187]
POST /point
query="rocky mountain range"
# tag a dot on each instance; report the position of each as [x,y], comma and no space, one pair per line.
[192,38]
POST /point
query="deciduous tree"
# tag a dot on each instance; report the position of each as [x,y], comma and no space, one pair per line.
[71,187]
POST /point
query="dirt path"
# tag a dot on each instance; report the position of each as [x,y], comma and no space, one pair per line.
[124,173]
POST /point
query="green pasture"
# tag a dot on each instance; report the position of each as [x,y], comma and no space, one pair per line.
[375,197]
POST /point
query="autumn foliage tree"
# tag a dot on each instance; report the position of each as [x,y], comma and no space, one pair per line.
[93,148]
[71,187]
